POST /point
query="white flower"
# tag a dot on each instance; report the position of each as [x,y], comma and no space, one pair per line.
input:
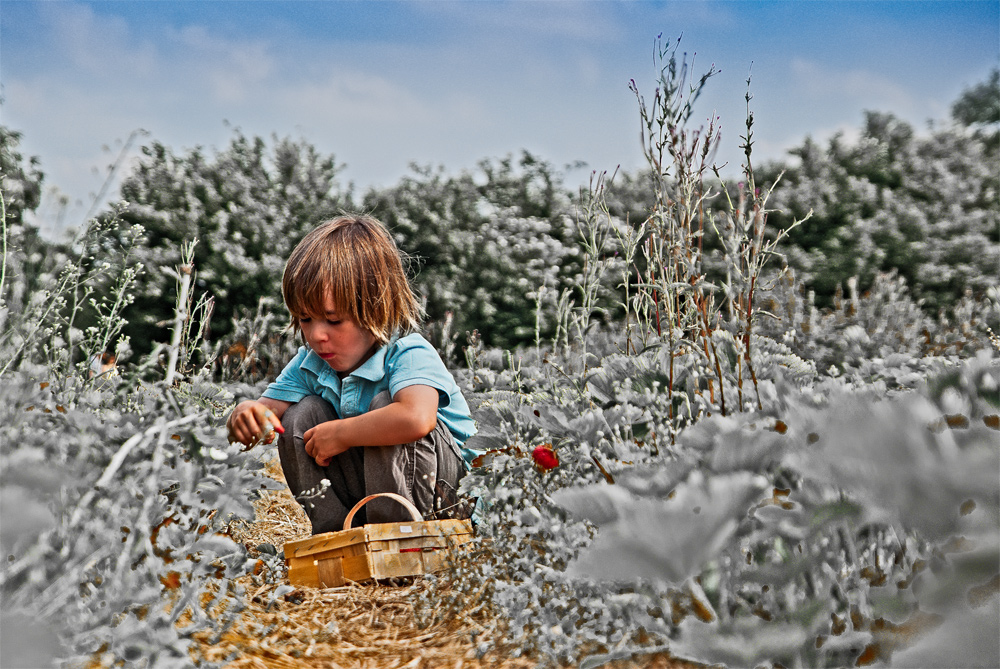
[855,333]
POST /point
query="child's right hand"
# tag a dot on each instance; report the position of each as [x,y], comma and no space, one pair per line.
[252,422]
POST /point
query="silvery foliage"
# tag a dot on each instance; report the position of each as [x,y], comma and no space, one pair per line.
[882,333]
[118,495]
[803,533]
[117,503]
[742,536]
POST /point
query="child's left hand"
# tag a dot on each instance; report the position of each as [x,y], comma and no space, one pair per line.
[411,415]
[322,442]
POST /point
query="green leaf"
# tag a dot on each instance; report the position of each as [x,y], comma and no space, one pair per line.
[671,539]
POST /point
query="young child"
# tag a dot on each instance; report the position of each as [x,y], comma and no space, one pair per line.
[367,405]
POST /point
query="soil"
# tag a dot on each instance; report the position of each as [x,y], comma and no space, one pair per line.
[359,625]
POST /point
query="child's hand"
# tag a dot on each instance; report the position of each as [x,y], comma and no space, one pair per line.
[253,422]
[322,442]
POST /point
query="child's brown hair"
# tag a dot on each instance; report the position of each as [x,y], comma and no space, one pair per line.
[353,260]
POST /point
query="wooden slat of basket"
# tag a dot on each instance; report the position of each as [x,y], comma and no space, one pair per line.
[304,574]
[330,572]
[358,568]
[383,531]
[343,551]
[388,565]
[435,561]
[438,541]
[325,541]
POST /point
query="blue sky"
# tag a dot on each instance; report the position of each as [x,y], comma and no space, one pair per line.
[383,84]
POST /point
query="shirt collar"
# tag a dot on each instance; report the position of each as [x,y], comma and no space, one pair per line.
[372,369]
[317,365]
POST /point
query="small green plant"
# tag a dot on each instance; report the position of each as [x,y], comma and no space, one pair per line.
[93,286]
[190,322]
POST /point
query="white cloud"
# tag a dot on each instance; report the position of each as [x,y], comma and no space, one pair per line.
[229,70]
[348,96]
[870,90]
[92,45]
[564,20]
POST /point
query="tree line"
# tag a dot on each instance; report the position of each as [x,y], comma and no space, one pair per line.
[493,249]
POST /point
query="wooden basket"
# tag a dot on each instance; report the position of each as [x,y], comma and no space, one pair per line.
[376,551]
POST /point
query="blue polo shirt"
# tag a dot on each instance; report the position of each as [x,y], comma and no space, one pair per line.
[404,361]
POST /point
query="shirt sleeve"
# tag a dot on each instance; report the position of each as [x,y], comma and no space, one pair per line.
[415,362]
[292,384]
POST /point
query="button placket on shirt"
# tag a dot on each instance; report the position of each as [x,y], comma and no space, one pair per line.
[329,389]
[350,397]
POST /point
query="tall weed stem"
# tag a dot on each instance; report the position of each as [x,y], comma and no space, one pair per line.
[3,263]
[184,273]
[747,247]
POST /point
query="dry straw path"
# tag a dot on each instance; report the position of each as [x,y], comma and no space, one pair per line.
[356,626]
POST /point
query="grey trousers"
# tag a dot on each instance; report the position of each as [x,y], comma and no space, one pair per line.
[426,472]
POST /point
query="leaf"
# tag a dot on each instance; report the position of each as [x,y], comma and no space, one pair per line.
[22,517]
[218,545]
[599,504]
[969,571]
[748,450]
[883,454]
[267,548]
[27,641]
[967,638]
[281,591]
[670,539]
[603,659]
[746,642]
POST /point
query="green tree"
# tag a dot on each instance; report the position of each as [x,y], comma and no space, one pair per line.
[247,205]
[21,179]
[979,105]
[483,243]
[978,108]
[927,207]
[25,251]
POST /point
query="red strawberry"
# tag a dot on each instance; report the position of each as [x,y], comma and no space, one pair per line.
[545,457]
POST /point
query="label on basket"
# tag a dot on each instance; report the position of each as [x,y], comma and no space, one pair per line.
[405,528]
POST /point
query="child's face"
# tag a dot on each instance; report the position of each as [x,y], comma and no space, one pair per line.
[338,340]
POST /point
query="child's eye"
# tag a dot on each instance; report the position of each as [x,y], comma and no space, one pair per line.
[304,320]
[332,322]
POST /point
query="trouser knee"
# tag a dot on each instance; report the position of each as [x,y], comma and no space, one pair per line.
[307,413]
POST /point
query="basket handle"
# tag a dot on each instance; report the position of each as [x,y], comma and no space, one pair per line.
[414,512]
